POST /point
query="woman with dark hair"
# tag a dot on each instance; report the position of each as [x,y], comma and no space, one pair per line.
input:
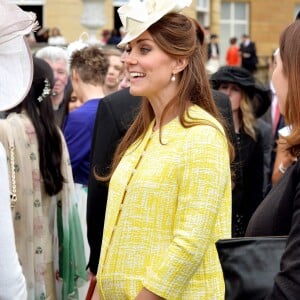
[73,102]
[41,115]
[14,26]
[169,196]
[45,217]
[279,213]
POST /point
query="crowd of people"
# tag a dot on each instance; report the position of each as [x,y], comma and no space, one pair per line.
[240,55]
[122,167]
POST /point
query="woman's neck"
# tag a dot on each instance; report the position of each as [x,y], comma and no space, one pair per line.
[169,115]
[236,121]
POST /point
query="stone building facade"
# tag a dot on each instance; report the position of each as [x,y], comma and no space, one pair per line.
[263,20]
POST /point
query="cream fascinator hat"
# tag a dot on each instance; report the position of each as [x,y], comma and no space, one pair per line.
[15,56]
[137,16]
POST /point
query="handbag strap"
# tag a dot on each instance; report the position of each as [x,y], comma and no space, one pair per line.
[13,192]
[12,165]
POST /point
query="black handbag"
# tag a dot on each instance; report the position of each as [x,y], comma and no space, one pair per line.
[249,265]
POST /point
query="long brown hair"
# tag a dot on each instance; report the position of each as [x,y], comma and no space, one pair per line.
[290,56]
[180,37]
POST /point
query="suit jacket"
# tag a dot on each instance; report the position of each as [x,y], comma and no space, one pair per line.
[115,114]
[209,49]
[249,57]
[224,106]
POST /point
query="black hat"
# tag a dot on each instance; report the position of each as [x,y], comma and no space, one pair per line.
[236,75]
[257,92]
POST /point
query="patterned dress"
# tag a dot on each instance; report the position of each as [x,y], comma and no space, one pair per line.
[168,203]
[43,224]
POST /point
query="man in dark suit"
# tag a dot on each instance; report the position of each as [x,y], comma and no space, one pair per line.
[248,54]
[213,55]
[115,114]
[213,47]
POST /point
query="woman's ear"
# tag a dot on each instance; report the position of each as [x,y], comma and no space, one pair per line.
[181,63]
[74,75]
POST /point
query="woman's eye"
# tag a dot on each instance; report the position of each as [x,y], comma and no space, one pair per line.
[144,50]
[127,49]
[237,89]
[223,86]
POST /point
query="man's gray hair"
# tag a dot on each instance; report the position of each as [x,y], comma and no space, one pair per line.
[53,54]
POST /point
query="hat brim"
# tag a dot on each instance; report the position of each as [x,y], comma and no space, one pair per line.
[261,100]
[16,72]
[137,16]
[141,27]
[236,75]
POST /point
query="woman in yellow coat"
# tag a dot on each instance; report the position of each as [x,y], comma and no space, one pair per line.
[170,189]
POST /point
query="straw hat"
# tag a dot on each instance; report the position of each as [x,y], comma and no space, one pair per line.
[15,55]
[137,16]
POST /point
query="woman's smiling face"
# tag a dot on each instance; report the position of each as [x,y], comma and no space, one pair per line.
[149,67]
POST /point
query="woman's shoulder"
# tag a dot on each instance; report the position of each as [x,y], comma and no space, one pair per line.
[202,129]
[199,115]
[9,127]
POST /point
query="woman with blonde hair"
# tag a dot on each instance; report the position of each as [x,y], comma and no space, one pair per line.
[240,86]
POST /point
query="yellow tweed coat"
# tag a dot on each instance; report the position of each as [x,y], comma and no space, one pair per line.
[168,204]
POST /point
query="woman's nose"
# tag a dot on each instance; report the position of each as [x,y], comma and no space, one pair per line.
[123,56]
[128,58]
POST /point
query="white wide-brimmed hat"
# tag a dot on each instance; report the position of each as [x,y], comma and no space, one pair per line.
[137,16]
[15,56]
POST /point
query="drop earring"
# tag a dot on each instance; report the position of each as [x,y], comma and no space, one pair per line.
[173,78]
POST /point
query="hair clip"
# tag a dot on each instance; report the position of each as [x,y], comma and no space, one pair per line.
[46,91]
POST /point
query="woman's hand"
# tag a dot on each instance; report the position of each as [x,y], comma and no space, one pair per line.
[145,294]
[96,295]
[282,161]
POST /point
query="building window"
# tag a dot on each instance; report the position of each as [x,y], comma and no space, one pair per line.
[203,12]
[202,4]
[119,2]
[234,23]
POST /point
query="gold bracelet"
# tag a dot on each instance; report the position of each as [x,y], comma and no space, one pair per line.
[281,168]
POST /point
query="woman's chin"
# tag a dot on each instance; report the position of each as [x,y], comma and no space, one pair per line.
[135,92]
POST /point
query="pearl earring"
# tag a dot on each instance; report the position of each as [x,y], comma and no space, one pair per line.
[173,78]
